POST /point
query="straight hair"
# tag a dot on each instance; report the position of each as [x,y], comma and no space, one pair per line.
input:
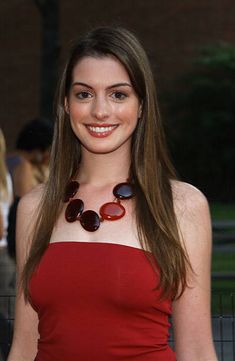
[151,170]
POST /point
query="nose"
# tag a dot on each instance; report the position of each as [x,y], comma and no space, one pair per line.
[101,108]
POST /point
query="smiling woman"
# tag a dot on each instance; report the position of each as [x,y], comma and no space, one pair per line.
[102,106]
[113,244]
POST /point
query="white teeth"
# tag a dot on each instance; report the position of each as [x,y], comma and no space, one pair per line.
[101,129]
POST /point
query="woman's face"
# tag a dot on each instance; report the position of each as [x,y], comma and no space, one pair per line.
[102,105]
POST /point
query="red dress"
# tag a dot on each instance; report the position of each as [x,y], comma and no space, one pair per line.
[98,302]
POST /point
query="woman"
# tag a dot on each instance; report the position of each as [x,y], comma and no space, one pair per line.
[1,225]
[7,268]
[5,190]
[28,166]
[117,242]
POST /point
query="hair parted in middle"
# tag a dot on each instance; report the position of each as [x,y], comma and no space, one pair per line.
[150,169]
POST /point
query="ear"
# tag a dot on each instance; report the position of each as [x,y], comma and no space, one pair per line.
[66,105]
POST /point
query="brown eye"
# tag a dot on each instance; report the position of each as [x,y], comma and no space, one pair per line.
[119,95]
[83,95]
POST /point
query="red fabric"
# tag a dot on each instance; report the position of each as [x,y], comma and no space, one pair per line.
[98,302]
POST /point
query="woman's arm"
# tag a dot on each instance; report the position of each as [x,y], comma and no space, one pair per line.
[24,345]
[191,312]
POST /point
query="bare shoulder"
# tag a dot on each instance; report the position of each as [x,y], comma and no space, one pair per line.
[192,213]
[30,201]
[188,200]
[23,166]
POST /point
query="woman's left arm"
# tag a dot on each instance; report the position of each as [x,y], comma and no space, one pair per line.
[192,311]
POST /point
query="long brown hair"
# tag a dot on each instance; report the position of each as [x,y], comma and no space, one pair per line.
[151,170]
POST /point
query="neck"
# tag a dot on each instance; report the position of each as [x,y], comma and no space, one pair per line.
[104,169]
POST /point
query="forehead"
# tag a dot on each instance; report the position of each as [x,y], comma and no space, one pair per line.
[107,69]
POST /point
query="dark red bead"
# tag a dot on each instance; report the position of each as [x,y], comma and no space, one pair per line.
[73,210]
[112,211]
[123,190]
[70,190]
[90,221]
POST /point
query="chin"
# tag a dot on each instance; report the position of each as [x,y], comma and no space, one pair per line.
[101,149]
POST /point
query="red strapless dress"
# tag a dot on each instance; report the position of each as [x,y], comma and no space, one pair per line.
[98,302]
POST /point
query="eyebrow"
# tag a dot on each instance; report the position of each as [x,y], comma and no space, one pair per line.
[109,87]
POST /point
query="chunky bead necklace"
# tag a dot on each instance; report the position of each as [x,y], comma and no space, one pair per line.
[90,220]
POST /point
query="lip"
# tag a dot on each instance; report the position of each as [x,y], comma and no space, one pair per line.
[101,134]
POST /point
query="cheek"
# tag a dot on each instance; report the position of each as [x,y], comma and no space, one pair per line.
[129,114]
[75,112]
[75,119]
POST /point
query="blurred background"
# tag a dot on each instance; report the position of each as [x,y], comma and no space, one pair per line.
[191,46]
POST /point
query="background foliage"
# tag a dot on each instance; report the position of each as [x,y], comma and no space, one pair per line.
[202,123]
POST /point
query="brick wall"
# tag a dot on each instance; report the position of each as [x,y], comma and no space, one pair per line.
[171,31]
[19,65]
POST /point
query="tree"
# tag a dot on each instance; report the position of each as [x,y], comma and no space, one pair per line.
[203,122]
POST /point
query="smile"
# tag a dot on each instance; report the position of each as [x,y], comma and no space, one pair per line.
[101,131]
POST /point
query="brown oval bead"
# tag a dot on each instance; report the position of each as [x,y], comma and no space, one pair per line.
[70,190]
[90,221]
[123,190]
[73,210]
[112,211]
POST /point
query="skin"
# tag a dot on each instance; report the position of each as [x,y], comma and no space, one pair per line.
[191,313]
[23,178]
[101,101]
[23,174]
[105,162]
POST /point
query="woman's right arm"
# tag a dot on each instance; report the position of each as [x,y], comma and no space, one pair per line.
[24,345]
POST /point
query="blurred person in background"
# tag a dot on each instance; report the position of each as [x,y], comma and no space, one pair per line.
[28,166]
[6,198]
[5,192]
[1,224]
